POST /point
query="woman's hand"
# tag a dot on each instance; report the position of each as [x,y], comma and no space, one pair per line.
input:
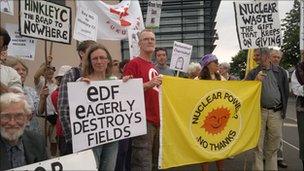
[84,79]
[126,78]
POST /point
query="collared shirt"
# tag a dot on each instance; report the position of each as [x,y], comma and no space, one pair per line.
[271,96]
[16,155]
[63,102]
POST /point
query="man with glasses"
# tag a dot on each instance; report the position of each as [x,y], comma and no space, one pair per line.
[18,146]
[10,79]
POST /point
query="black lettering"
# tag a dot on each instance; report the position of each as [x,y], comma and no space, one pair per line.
[56,166]
[127,131]
[137,116]
[79,110]
[91,92]
[77,127]
[114,91]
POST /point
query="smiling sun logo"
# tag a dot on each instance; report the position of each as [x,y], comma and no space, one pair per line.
[216,120]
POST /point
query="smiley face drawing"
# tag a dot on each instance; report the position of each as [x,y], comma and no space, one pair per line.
[216,120]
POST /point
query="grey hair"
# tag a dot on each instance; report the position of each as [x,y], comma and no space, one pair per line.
[9,98]
[193,66]
[226,65]
[263,51]
[274,51]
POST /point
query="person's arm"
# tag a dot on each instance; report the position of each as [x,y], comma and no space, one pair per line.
[43,95]
[156,81]
[38,74]
[63,105]
[296,87]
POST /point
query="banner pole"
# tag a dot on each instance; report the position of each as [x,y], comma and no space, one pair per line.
[177,74]
[47,65]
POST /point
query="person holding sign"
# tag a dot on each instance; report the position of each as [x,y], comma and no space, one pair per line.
[97,65]
[63,104]
[18,146]
[297,86]
[145,148]
[210,67]
[274,97]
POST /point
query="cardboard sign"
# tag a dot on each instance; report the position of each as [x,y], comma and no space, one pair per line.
[85,25]
[68,162]
[133,39]
[258,24]
[153,13]
[106,111]
[7,6]
[302,25]
[45,20]
[181,55]
[20,47]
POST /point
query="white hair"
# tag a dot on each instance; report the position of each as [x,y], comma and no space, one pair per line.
[275,51]
[226,65]
[193,66]
[8,98]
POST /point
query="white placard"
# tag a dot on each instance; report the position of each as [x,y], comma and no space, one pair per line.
[181,54]
[258,24]
[153,13]
[106,111]
[20,47]
[302,25]
[79,161]
[86,23]
[7,6]
[45,20]
[133,39]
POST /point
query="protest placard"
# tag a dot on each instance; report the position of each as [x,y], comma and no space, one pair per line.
[85,25]
[20,47]
[7,6]
[258,24]
[153,13]
[45,20]
[302,25]
[69,162]
[133,39]
[181,55]
[105,111]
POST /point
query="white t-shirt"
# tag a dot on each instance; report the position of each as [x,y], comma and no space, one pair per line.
[10,77]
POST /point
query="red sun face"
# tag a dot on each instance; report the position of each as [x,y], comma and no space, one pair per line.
[216,120]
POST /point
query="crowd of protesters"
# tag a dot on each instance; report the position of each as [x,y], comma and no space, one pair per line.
[32,117]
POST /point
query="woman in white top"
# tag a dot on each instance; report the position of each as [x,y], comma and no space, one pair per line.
[297,86]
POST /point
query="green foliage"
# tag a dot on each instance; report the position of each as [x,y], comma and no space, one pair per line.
[291,38]
[238,64]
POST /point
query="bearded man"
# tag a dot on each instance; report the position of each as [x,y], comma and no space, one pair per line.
[18,147]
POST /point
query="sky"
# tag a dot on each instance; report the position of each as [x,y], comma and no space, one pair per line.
[227,44]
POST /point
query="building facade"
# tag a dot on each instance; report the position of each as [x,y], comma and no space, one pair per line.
[187,21]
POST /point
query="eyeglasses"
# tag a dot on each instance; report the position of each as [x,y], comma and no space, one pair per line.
[6,117]
[95,59]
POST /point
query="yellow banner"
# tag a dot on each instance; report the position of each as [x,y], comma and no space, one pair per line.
[251,63]
[204,121]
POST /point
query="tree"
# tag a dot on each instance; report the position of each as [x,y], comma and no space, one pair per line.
[238,64]
[291,37]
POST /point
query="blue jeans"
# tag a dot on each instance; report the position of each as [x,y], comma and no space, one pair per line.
[106,155]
